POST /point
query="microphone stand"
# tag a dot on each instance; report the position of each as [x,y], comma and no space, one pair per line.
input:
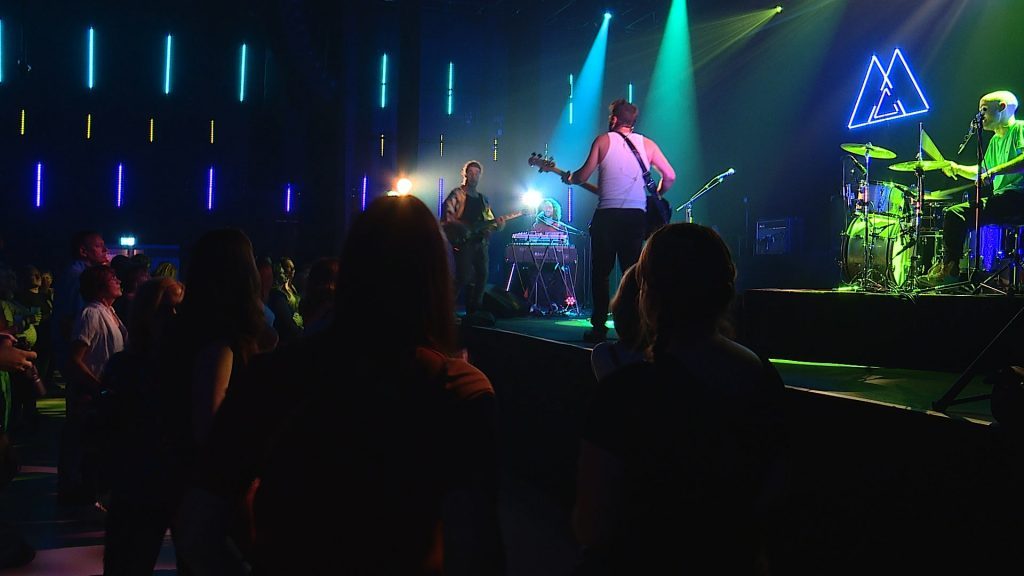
[974,264]
[703,190]
[556,223]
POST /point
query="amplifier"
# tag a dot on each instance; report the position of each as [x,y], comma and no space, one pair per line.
[524,254]
[777,236]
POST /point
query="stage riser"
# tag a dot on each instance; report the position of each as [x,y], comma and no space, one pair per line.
[928,332]
[868,485]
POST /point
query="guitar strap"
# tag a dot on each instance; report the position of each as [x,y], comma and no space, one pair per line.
[648,181]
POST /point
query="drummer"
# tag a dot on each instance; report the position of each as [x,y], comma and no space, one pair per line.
[1001,169]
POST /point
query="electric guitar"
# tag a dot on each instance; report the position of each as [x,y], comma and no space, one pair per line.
[545,164]
[460,234]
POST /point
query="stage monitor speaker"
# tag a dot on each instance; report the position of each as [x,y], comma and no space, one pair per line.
[774,237]
[505,304]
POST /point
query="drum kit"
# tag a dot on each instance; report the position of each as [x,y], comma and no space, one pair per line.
[894,231]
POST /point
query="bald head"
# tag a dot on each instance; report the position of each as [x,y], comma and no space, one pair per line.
[1004,99]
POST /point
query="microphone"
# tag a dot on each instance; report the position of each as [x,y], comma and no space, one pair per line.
[722,176]
[857,162]
[975,123]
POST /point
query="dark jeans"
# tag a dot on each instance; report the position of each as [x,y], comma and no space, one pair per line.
[614,232]
[471,263]
[1006,207]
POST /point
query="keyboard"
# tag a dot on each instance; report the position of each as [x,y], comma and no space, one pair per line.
[540,239]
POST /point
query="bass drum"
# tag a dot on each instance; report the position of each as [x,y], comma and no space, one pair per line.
[890,254]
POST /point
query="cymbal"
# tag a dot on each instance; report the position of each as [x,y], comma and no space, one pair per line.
[923,165]
[868,150]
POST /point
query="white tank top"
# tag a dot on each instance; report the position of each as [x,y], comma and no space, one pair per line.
[619,177]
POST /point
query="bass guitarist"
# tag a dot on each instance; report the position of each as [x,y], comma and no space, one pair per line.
[468,222]
[619,225]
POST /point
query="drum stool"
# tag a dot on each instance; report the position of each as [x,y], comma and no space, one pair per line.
[1000,250]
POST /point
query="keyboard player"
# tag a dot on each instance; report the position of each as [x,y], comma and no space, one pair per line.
[549,218]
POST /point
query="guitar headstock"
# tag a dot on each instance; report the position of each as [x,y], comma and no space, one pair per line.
[543,163]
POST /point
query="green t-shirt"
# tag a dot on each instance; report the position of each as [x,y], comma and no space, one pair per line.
[1002,149]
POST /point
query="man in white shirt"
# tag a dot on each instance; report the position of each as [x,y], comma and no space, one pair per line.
[619,223]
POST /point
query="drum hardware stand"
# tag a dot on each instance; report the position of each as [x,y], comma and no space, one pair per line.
[915,258]
[869,238]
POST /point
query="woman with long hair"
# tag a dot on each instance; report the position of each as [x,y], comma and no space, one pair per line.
[414,439]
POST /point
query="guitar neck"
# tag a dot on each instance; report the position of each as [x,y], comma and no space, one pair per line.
[549,166]
[585,185]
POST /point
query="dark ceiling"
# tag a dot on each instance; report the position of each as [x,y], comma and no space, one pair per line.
[638,15]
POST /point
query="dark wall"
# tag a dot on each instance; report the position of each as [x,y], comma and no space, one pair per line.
[774,106]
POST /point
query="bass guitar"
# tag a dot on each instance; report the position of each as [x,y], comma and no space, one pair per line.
[545,164]
[659,212]
[460,234]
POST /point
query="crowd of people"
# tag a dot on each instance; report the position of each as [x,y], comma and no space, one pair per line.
[222,406]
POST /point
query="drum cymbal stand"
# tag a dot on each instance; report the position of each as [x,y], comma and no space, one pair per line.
[915,257]
[866,283]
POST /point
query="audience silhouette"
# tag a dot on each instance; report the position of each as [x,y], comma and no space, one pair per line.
[402,461]
[679,466]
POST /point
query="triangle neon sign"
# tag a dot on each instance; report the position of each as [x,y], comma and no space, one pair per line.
[898,93]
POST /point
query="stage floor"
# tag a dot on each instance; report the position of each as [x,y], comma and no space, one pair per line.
[899,388]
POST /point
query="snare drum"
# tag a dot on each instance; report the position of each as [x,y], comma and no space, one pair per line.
[883,198]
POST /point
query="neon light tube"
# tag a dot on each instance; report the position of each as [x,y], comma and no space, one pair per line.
[167,67]
[209,191]
[92,44]
[120,182]
[241,77]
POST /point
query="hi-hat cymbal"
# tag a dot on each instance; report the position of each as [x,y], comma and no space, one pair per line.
[868,150]
[922,165]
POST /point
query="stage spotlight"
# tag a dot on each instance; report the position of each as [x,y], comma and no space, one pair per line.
[778,9]
[127,241]
[607,15]
[392,193]
[532,199]
[404,186]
